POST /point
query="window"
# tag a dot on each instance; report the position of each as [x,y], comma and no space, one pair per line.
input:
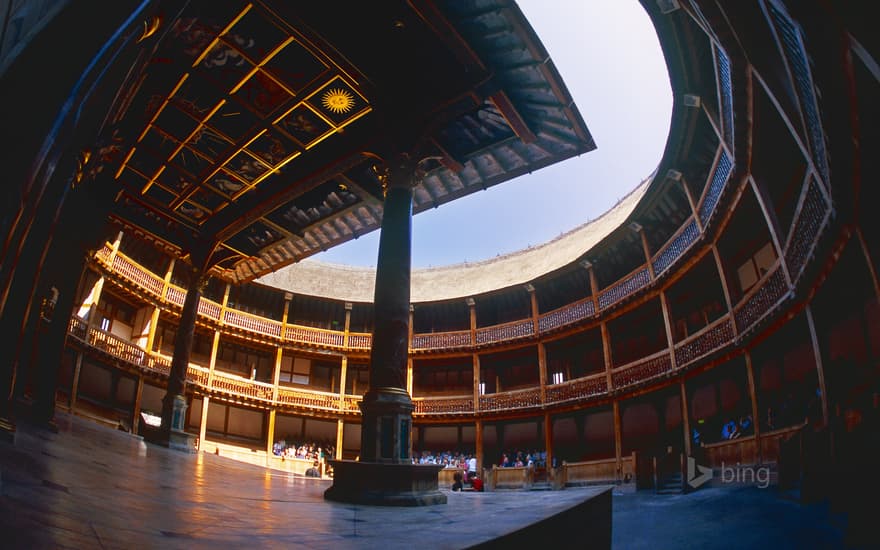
[105,324]
[558,378]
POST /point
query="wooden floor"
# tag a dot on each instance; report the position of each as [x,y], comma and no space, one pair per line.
[90,486]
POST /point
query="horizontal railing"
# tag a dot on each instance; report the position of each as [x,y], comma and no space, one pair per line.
[444,405]
[642,369]
[578,389]
[769,292]
[441,340]
[709,339]
[567,315]
[517,399]
[505,332]
[630,284]
[675,247]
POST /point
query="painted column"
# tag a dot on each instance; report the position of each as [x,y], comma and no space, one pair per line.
[618,441]
[387,407]
[136,409]
[475,358]
[478,444]
[685,419]
[206,399]
[180,361]
[340,430]
[548,440]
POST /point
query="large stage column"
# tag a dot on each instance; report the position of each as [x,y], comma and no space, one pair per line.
[385,474]
[172,432]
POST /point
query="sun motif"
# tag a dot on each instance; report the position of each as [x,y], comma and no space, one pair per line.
[338,100]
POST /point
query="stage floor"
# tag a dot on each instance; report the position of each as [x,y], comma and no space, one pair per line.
[89,486]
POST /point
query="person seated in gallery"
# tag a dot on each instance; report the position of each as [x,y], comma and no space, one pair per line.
[457,481]
[746,426]
[313,471]
[730,430]
[476,483]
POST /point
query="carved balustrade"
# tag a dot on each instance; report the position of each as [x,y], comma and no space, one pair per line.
[717,182]
[710,338]
[812,214]
[769,292]
[675,248]
[578,389]
[506,331]
[252,323]
[441,340]
[444,405]
[517,399]
[566,315]
[633,282]
[308,399]
[646,368]
[316,336]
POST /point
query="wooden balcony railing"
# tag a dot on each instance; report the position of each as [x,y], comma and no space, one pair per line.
[675,247]
[633,282]
[360,340]
[566,315]
[315,336]
[308,399]
[444,405]
[813,212]
[769,292]
[578,389]
[517,399]
[641,370]
[252,323]
[710,338]
[716,185]
[237,385]
[513,330]
[441,340]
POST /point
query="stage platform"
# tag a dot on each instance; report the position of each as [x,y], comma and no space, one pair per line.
[89,486]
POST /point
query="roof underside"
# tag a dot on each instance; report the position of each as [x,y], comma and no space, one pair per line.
[251,130]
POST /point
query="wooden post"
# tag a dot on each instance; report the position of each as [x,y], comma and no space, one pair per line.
[136,409]
[773,227]
[548,441]
[542,370]
[151,333]
[340,430]
[676,175]
[472,311]
[270,436]
[670,342]
[606,353]
[753,394]
[637,227]
[74,386]
[871,271]
[478,444]
[343,374]
[347,326]
[166,282]
[820,371]
[685,419]
[618,443]
[476,362]
[203,425]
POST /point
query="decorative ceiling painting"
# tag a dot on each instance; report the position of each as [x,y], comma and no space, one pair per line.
[252,130]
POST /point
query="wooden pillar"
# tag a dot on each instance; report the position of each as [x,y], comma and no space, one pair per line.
[136,409]
[166,282]
[472,311]
[270,435]
[478,446]
[409,360]
[820,371]
[340,430]
[74,386]
[871,271]
[685,419]
[618,441]
[548,439]
[773,227]
[721,275]
[675,175]
[606,354]
[753,394]
[182,350]
[347,326]
[212,362]
[151,332]
[533,301]
[476,362]
[594,284]
[667,322]
[343,373]
[542,370]
[276,375]
[387,407]
[640,231]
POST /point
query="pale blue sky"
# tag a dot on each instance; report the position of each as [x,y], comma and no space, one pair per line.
[608,55]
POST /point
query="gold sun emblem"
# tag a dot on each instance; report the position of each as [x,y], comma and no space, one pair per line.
[338,100]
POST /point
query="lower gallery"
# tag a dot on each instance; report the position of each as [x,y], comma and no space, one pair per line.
[697,367]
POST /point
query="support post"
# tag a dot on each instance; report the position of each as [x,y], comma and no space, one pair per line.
[618,443]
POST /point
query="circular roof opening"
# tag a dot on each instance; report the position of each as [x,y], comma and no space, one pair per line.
[610,60]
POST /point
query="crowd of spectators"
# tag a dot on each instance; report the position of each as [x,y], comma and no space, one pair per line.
[514,458]
[309,450]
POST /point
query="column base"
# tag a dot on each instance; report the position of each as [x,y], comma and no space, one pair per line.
[182,441]
[380,484]
[7,430]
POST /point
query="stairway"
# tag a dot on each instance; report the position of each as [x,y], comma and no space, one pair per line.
[670,485]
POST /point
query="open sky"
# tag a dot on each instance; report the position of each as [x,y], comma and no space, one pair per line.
[609,58]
